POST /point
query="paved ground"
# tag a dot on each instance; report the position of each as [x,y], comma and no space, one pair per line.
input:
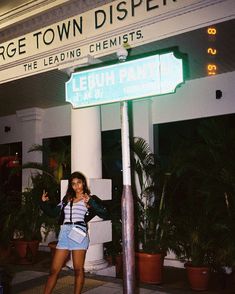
[25,278]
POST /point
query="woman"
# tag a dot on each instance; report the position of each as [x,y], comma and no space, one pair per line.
[75,210]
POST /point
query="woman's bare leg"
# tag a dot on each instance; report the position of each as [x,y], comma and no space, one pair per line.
[57,263]
[78,266]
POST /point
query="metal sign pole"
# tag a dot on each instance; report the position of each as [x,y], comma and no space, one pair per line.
[127,208]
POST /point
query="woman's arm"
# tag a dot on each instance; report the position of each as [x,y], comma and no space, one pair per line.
[48,208]
[97,208]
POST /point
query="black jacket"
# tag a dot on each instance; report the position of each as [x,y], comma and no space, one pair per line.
[96,207]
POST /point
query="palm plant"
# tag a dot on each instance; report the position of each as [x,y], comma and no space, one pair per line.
[204,194]
[58,166]
[28,219]
[152,214]
[195,230]
[9,202]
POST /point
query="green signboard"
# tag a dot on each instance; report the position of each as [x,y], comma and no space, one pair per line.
[143,77]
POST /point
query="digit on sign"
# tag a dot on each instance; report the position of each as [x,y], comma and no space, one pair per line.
[211,67]
[211,31]
[211,51]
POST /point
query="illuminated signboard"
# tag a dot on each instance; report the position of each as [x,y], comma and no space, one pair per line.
[144,77]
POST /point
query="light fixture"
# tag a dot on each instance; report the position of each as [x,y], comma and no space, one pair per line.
[218,94]
[7,129]
[122,54]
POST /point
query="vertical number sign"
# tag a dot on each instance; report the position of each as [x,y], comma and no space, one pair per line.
[212,51]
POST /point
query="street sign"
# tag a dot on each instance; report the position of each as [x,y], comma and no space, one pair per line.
[143,77]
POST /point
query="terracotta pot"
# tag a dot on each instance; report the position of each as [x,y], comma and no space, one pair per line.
[117,261]
[198,277]
[109,259]
[119,265]
[26,251]
[149,267]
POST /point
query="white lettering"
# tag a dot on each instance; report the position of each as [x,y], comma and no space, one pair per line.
[93,81]
[83,83]
[109,78]
[122,75]
[136,73]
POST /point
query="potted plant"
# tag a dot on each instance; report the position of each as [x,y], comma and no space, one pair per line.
[30,220]
[195,234]
[224,252]
[203,198]
[27,220]
[8,202]
[153,234]
[113,249]
[5,234]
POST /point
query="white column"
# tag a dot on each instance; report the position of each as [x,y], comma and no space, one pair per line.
[31,120]
[86,158]
[142,120]
[86,142]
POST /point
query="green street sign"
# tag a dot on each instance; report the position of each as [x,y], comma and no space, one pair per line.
[144,77]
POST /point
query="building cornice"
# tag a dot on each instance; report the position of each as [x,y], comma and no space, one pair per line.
[30,114]
[22,21]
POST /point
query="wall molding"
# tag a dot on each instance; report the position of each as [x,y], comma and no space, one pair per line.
[41,13]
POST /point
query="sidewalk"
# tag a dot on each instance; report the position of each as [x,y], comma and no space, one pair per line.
[30,279]
[32,282]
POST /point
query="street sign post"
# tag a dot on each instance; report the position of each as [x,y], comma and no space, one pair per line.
[144,77]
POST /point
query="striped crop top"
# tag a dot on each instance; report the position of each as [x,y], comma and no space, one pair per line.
[79,210]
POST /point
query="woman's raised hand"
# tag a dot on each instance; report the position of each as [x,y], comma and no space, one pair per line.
[44,196]
[86,197]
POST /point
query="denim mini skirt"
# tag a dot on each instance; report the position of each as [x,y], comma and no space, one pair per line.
[64,242]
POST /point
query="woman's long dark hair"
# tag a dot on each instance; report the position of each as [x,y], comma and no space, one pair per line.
[70,191]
